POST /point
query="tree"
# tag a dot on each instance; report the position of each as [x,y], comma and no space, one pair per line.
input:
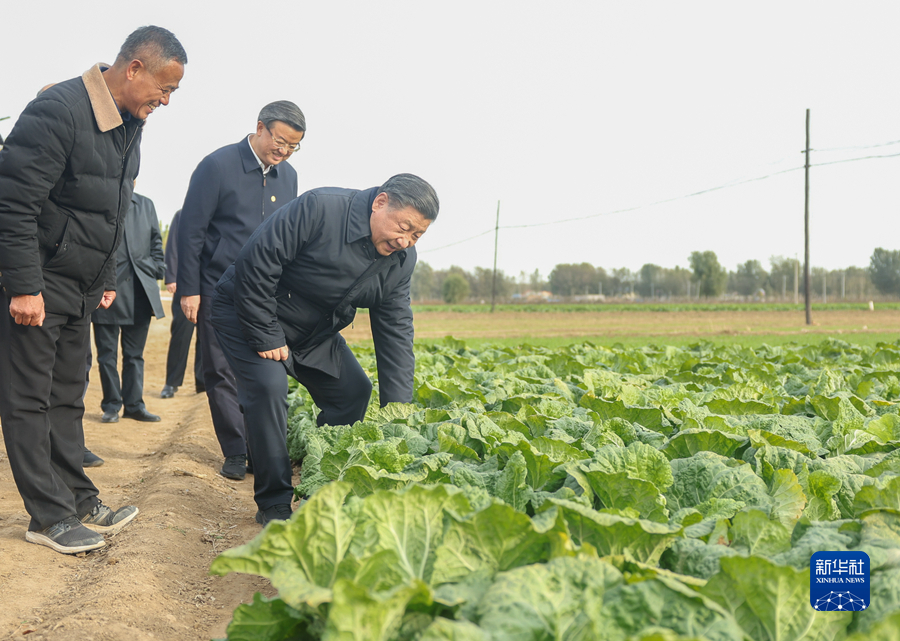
[572,280]
[749,278]
[708,273]
[421,286]
[649,279]
[782,272]
[455,288]
[884,266]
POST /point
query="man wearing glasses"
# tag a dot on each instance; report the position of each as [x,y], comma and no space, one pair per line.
[66,179]
[232,191]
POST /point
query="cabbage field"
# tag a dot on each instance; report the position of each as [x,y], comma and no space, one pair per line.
[653,494]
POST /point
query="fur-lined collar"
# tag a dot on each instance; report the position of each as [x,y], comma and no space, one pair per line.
[105,111]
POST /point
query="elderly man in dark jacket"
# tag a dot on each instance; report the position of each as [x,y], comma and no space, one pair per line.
[296,283]
[140,265]
[66,176]
[231,192]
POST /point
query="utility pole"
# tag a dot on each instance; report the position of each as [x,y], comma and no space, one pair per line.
[806,231]
[494,279]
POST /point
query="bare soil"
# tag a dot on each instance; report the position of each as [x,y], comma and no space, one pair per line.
[151,581]
[507,323]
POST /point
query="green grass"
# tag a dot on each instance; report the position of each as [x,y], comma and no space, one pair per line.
[654,307]
[748,340]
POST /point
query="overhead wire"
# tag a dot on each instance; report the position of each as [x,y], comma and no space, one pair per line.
[727,185]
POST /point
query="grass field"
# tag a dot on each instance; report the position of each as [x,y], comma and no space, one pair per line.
[639,327]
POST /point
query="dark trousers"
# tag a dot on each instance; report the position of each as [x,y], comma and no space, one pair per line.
[42,374]
[130,390]
[180,333]
[221,391]
[262,391]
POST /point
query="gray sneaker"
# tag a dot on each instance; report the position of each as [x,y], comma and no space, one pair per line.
[102,519]
[68,536]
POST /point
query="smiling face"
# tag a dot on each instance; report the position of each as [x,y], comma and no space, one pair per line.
[276,142]
[146,91]
[395,229]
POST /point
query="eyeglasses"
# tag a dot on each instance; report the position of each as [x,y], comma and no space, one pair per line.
[283,144]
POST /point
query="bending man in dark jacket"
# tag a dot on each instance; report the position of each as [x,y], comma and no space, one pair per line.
[66,177]
[231,192]
[139,265]
[296,283]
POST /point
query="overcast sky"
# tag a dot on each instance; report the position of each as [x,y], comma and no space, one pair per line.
[558,110]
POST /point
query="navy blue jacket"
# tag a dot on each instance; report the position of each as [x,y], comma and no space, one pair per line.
[227,199]
[295,283]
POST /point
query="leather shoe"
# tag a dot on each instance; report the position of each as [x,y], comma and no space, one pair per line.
[91,459]
[168,391]
[275,513]
[142,415]
[200,388]
[110,416]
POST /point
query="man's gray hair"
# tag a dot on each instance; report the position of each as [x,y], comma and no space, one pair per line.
[284,111]
[154,46]
[407,190]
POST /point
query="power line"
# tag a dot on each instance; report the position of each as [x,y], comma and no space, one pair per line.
[727,185]
[882,144]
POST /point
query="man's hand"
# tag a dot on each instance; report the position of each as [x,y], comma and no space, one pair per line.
[279,354]
[27,309]
[190,305]
[170,287]
[108,297]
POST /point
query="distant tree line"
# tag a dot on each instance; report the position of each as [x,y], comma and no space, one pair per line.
[705,278]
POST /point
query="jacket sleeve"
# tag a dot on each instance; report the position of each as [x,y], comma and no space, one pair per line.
[259,266]
[392,331]
[110,274]
[156,250]
[171,256]
[31,163]
[200,204]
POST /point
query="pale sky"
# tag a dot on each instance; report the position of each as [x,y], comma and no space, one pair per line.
[558,110]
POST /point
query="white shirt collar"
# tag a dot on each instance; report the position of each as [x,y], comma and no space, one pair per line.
[265,168]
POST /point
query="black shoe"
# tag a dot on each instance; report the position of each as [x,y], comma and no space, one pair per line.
[280,512]
[68,536]
[142,415]
[235,467]
[249,466]
[200,388]
[103,519]
[168,391]
[91,459]
[110,416]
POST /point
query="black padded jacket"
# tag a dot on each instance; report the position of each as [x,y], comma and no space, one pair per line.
[66,177]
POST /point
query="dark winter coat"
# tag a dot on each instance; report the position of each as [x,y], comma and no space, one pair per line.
[295,283]
[66,177]
[139,264]
[227,199]
[172,250]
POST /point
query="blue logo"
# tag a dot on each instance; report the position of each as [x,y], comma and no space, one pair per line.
[839,581]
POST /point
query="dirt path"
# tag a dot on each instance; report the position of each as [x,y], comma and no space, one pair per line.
[150,581]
